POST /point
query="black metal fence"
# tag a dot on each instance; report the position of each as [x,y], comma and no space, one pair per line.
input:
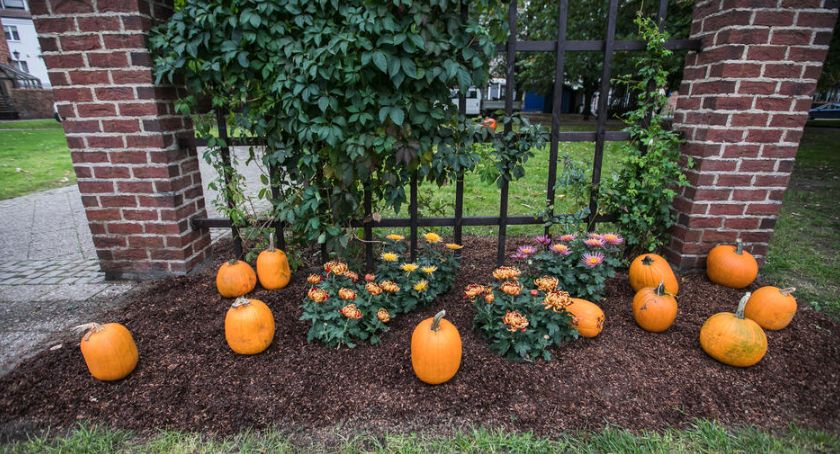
[600,136]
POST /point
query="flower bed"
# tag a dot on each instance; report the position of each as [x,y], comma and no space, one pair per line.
[188,378]
[345,309]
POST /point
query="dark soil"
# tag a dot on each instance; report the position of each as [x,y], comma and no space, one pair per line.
[189,379]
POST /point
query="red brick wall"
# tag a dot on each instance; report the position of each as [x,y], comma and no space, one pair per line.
[139,186]
[4,47]
[743,105]
[33,102]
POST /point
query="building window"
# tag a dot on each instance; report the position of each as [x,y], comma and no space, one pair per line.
[13,4]
[21,65]
[11,33]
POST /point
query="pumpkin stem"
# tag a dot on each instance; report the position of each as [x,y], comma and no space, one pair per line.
[232,261]
[647,260]
[437,319]
[271,243]
[741,305]
[739,246]
[241,301]
[787,291]
[88,329]
[660,289]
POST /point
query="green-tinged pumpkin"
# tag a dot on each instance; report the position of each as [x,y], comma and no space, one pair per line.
[732,339]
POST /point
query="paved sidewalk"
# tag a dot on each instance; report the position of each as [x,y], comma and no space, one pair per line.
[50,279]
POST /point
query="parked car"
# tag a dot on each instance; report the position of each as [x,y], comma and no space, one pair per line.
[828,110]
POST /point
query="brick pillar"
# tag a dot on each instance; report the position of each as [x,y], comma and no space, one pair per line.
[4,47]
[138,186]
[743,104]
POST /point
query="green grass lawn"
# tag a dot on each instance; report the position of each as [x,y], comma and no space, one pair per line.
[703,437]
[34,157]
[805,249]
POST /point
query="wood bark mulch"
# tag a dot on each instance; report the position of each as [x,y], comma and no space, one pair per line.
[189,379]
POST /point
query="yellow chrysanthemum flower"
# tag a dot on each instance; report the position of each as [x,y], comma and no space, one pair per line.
[429,269]
[421,286]
[389,257]
[408,267]
[394,237]
[432,237]
[453,246]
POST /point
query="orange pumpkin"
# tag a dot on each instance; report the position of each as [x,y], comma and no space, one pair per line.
[587,317]
[654,309]
[648,270]
[435,350]
[489,123]
[273,267]
[732,339]
[772,308]
[731,266]
[109,350]
[235,278]
[249,326]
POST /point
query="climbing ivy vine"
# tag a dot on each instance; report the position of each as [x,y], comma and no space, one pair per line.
[345,95]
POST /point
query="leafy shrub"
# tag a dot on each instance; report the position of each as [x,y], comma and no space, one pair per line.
[582,263]
[520,320]
[345,308]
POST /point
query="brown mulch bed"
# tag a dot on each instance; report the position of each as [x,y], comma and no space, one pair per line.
[189,379]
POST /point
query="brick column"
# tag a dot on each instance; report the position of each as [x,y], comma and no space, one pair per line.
[138,186]
[742,107]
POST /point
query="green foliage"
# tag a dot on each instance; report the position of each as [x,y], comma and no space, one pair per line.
[581,263]
[345,96]
[345,309]
[516,319]
[642,192]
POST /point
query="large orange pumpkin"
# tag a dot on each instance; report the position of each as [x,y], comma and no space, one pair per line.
[235,278]
[587,317]
[771,307]
[435,350]
[109,350]
[273,267]
[731,266]
[732,339]
[249,326]
[654,309]
[648,270]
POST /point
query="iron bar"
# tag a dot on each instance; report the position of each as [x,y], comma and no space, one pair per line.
[509,88]
[368,232]
[414,220]
[603,97]
[226,162]
[557,104]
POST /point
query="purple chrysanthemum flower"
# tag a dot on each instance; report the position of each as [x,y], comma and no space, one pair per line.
[527,250]
[591,260]
[568,237]
[613,239]
[545,240]
[560,248]
[518,256]
[594,242]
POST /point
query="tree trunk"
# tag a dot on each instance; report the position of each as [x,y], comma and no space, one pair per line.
[587,103]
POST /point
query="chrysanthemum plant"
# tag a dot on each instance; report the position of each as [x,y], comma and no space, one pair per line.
[581,262]
[346,308]
[521,319]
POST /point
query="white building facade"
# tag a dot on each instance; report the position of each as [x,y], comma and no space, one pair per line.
[22,39]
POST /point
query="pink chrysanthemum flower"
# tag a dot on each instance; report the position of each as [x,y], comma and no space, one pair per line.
[560,248]
[518,256]
[527,250]
[594,242]
[591,260]
[545,240]
[568,237]
[613,239]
